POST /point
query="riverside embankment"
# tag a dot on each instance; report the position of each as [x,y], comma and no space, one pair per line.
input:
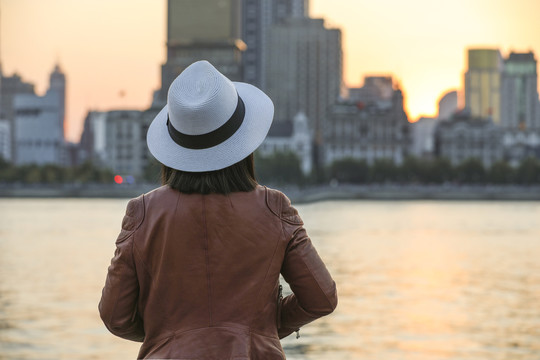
[300,195]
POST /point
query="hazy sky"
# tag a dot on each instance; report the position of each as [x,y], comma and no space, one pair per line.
[112,50]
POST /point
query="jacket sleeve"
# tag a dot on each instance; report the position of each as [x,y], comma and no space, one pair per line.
[314,290]
[119,299]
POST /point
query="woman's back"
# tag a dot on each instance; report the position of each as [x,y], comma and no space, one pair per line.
[208,268]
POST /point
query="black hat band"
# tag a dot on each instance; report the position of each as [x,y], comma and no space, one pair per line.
[212,138]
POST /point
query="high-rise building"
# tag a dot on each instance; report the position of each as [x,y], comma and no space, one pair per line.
[519,102]
[464,137]
[257,17]
[57,83]
[39,124]
[483,83]
[375,89]
[372,125]
[38,136]
[304,73]
[5,140]
[423,137]
[448,105]
[93,138]
[117,140]
[202,29]
[9,87]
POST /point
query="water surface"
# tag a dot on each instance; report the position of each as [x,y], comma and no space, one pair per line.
[417,280]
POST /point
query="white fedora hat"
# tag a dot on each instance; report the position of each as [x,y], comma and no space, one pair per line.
[209,122]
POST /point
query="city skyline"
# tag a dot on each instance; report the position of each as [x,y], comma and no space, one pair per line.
[112,57]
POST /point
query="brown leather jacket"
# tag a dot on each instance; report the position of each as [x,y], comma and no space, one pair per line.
[197,276]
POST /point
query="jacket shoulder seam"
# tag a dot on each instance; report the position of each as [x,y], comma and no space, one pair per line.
[267,194]
[125,232]
[282,207]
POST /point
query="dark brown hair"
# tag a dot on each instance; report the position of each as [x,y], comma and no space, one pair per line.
[237,177]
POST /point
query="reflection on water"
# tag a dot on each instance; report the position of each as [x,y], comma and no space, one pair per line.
[417,280]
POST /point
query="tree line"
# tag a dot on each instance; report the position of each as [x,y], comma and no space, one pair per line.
[284,168]
[54,174]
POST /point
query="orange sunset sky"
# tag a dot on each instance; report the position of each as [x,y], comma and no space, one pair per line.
[111,50]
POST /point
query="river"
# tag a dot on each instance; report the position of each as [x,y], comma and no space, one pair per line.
[416,280]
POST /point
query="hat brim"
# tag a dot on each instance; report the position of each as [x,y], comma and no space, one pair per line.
[258,118]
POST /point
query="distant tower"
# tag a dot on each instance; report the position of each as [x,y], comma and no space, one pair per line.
[304,68]
[39,124]
[376,88]
[304,73]
[302,135]
[57,83]
[448,105]
[257,17]
[300,8]
[11,86]
[483,83]
[202,30]
[520,92]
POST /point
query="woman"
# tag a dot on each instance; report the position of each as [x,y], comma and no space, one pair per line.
[196,269]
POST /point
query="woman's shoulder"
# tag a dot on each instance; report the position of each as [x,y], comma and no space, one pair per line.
[281,206]
[133,217]
[159,191]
